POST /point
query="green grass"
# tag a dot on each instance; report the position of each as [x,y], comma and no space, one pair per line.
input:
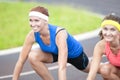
[14,24]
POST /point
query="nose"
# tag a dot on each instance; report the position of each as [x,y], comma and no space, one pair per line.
[108,32]
[32,23]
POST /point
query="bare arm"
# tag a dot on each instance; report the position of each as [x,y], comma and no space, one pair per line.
[62,53]
[97,56]
[23,55]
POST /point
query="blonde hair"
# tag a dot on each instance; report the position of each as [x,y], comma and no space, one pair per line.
[112,17]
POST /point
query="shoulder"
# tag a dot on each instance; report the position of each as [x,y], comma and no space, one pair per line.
[100,46]
[61,32]
[30,36]
[61,35]
[101,43]
[59,28]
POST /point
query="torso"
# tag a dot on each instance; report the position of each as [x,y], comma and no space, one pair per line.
[48,44]
[46,39]
[113,55]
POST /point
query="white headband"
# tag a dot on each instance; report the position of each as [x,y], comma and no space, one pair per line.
[38,14]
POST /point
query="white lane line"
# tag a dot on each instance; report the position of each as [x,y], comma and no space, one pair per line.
[30,72]
[83,36]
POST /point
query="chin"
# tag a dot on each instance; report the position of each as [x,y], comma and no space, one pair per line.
[35,30]
[109,40]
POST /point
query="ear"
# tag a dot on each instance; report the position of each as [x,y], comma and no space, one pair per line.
[119,34]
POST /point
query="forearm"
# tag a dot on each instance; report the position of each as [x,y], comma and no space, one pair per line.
[93,71]
[17,71]
[62,74]
[91,76]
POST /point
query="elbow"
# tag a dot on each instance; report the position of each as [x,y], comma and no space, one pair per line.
[62,68]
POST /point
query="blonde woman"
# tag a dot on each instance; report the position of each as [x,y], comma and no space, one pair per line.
[109,45]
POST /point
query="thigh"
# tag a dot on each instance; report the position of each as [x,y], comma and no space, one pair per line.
[107,67]
[118,71]
[41,55]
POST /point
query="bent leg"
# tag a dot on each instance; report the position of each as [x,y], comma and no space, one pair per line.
[109,72]
[81,62]
[88,66]
[37,59]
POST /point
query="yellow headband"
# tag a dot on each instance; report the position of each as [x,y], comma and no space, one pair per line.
[111,22]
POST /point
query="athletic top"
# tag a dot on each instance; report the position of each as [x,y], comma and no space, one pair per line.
[74,47]
[113,59]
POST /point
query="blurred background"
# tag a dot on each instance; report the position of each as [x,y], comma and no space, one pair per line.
[77,16]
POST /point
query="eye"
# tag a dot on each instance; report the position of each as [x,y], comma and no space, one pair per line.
[37,20]
[113,29]
[30,20]
[105,29]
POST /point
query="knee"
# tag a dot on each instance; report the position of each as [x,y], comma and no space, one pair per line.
[32,57]
[105,70]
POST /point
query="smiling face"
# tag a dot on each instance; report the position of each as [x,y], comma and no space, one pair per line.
[36,23]
[110,33]
[38,18]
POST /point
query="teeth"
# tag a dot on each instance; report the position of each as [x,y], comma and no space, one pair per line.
[35,27]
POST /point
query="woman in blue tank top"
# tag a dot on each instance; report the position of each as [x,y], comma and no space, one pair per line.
[55,45]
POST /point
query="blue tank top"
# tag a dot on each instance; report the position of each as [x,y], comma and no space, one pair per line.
[74,47]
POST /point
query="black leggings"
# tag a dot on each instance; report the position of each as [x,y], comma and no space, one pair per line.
[79,62]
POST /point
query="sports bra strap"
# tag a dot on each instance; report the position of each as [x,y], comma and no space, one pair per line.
[59,31]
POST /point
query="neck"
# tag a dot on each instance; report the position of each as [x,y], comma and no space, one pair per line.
[45,31]
[115,44]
